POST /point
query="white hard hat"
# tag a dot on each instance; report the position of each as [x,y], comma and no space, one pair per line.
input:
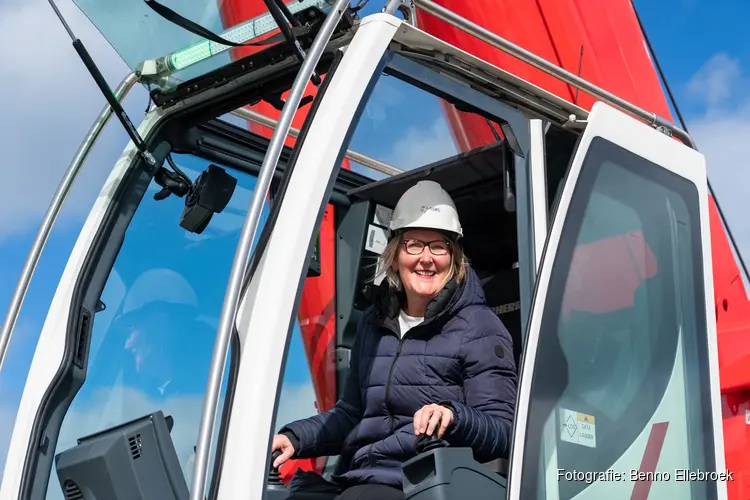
[426,205]
[159,285]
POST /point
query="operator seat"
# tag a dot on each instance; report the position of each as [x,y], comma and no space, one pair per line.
[503,295]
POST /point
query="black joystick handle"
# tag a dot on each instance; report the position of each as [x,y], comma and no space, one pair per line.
[274,476]
[426,443]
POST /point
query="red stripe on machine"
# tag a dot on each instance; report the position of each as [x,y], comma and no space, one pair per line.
[649,460]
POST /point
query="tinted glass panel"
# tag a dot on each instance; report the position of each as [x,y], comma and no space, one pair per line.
[139,34]
[621,363]
[151,346]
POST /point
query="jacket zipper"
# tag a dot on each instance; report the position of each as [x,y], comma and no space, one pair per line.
[388,383]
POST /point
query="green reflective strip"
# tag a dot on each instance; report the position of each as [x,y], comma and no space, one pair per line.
[241,33]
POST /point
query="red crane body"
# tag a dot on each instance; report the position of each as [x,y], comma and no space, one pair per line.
[603,43]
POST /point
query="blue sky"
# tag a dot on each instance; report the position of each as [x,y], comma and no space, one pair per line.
[48,103]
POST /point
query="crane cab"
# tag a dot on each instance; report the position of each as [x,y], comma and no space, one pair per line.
[589,231]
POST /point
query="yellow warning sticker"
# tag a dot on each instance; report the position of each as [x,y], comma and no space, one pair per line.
[582,417]
[577,428]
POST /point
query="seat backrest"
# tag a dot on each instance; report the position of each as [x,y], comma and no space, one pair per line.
[501,289]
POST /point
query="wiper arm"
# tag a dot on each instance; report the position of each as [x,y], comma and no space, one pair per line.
[101,82]
[279,11]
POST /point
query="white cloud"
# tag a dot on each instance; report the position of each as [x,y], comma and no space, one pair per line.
[49,101]
[390,94]
[297,401]
[722,133]
[113,406]
[421,146]
[716,80]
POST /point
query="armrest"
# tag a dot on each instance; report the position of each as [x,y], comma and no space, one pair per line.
[441,472]
[498,466]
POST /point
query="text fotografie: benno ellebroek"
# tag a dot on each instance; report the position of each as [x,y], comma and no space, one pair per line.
[637,475]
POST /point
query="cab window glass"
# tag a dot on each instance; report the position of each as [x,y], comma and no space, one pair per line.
[621,361]
[403,126]
[151,345]
[409,122]
[298,398]
[407,127]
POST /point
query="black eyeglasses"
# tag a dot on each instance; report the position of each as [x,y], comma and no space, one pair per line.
[437,247]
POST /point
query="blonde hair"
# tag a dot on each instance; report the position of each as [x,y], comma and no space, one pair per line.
[384,266]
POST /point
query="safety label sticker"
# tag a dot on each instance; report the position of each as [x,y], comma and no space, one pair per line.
[382,216]
[577,428]
[377,239]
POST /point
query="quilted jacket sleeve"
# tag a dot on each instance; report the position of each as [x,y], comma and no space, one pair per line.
[485,421]
[324,434]
[399,445]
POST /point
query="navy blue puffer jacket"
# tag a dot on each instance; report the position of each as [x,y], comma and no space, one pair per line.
[460,356]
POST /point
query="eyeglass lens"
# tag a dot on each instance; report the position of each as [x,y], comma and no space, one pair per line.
[415,247]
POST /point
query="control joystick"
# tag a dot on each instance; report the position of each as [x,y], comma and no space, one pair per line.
[426,443]
[443,471]
[275,489]
[274,476]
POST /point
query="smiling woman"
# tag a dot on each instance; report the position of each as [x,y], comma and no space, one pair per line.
[425,217]
[429,307]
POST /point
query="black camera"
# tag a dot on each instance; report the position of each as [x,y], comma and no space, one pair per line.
[210,195]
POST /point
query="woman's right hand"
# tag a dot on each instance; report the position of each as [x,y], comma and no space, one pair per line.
[281,443]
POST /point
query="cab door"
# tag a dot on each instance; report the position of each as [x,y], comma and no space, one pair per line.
[619,391]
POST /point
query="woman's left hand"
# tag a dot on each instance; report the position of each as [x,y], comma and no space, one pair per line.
[428,417]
